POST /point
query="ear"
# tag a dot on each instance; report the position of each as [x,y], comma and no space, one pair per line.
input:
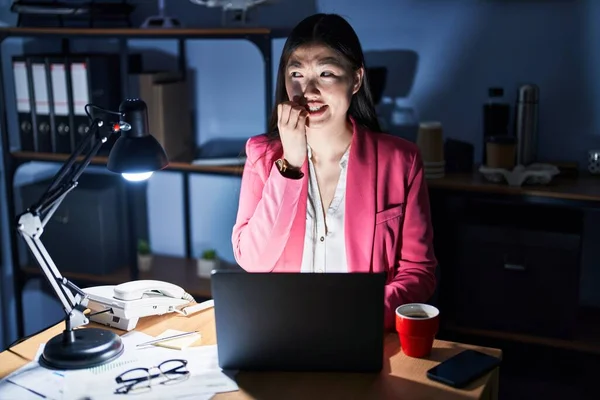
[358,79]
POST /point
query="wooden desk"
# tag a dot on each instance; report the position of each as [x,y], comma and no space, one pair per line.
[401,378]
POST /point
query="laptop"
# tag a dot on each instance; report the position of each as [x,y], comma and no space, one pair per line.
[299,321]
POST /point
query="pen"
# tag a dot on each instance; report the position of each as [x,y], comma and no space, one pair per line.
[164,339]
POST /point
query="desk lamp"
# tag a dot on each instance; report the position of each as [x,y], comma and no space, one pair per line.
[135,155]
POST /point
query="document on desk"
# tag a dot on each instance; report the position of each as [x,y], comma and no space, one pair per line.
[11,391]
[18,385]
[205,376]
[45,383]
[34,380]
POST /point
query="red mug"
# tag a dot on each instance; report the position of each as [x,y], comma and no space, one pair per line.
[417,324]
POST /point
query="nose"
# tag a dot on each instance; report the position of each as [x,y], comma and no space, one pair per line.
[311,88]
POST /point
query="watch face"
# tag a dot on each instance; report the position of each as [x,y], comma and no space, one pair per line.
[280,164]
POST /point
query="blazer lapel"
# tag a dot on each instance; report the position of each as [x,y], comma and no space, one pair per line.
[360,201]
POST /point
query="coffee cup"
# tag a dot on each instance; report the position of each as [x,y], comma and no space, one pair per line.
[417,324]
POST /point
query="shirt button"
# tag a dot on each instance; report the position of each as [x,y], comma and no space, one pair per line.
[322,238]
[319,270]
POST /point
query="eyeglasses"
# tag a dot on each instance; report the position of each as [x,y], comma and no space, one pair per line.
[139,380]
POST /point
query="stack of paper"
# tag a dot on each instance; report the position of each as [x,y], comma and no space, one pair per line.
[205,379]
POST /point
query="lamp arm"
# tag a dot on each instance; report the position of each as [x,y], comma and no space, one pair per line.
[66,167]
[31,225]
[67,176]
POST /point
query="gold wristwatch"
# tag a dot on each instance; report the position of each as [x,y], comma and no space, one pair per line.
[288,171]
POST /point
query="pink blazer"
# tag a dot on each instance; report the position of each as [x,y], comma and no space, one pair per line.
[387,222]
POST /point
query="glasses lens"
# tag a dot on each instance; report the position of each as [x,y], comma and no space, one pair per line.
[174,370]
[136,381]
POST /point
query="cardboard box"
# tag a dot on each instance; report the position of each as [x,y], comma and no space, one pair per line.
[167,96]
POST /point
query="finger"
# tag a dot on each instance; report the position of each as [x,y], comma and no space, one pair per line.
[294,116]
[302,119]
[299,100]
[283,112]
[287,113]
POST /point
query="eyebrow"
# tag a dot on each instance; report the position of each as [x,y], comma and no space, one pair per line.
[323,61]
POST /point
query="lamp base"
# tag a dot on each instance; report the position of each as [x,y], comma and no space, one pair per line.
[81,348]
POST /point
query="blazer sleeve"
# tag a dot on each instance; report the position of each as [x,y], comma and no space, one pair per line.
[267,208]
[414,280]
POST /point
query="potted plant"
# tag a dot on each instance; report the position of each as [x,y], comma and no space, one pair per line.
[207,262]
[144,256]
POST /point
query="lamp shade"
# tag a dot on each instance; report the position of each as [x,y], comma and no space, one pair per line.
[136,151]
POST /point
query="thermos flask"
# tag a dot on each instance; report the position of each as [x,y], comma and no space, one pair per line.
[526,124]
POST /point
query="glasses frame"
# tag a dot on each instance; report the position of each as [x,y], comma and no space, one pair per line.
[128,384]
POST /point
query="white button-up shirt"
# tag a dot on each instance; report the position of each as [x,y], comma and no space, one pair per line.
[324,239]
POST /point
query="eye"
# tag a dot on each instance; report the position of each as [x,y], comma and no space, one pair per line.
[327,74]
[295,75]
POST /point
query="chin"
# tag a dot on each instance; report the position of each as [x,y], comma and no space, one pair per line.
[316,124]
[321,122]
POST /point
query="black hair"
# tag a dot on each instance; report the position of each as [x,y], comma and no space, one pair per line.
[336,33]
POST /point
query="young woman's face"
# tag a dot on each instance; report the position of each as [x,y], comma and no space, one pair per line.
[320,79]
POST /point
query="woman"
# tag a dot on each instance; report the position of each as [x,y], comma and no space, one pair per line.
[325,190]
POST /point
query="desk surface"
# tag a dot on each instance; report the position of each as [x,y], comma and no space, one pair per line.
[402,377]
[582,188]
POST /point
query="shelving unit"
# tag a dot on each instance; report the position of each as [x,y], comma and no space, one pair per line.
[484,229]
[174,269]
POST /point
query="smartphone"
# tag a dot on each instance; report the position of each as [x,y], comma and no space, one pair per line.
[463,368]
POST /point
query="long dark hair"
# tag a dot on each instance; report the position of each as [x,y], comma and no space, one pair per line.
[335,32]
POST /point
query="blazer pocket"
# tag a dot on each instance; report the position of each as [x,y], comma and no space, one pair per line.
[389,213]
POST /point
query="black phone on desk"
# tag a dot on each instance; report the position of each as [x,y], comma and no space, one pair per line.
[463,368]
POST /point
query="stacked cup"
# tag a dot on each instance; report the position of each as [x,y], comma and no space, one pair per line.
[430,140]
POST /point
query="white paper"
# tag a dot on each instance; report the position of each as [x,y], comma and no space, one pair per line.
[211,382]
[39,380]
[205,379]
[36,380]
[11,391]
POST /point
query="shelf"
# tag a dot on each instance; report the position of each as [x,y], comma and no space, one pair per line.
[172,33]
[173,165]
[583,188]
[586,339]
[176,270]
